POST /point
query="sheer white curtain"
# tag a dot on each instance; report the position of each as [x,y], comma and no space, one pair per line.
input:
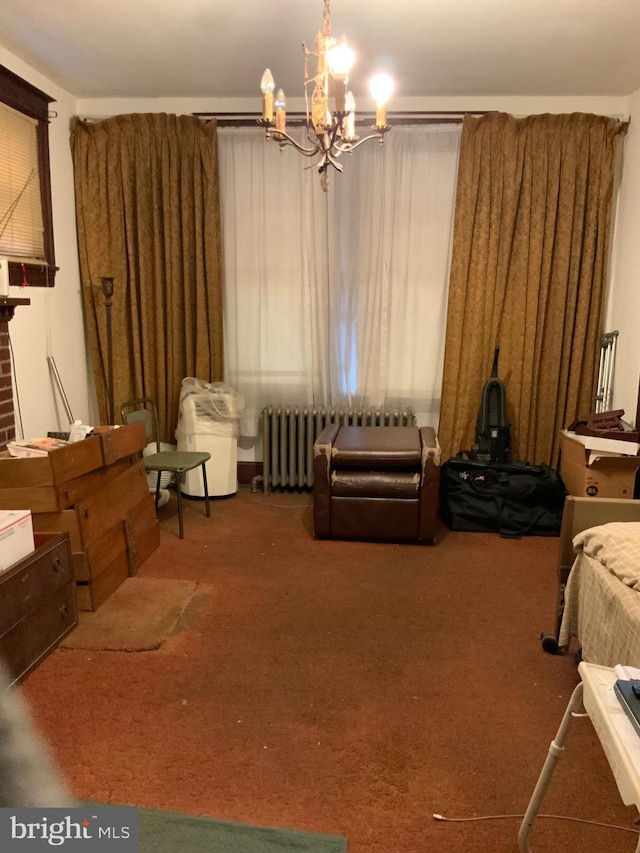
[338,298]
[274,225]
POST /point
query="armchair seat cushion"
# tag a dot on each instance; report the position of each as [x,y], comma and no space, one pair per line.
[402,485]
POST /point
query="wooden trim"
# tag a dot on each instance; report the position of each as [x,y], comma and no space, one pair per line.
[36,274]
[26,98]
[22,96]
[247,471]
[8,307]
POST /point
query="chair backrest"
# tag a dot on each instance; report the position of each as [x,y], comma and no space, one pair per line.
[142,410]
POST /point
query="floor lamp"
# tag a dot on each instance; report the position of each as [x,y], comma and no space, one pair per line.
[107,290]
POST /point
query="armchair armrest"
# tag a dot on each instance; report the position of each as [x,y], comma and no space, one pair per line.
[430,483]
[322,450]
[430,446]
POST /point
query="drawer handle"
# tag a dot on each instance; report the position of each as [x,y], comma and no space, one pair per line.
[57,565]
[64,611]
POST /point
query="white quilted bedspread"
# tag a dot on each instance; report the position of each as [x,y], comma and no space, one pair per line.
[616,546]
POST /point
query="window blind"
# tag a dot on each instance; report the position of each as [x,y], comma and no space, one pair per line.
[21,226]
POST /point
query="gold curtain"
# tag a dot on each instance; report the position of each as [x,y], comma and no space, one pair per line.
[148,216]
[528,274]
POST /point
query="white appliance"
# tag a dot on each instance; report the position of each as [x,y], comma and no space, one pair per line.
[197,431]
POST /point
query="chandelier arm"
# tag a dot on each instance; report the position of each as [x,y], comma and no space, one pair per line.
[351,146]
[336,127]
[330,150]
[328,160]
[283,138]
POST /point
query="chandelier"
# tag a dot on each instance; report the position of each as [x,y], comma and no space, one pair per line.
[331,130]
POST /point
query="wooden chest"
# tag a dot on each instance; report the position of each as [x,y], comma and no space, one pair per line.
[112,531]
[37,605]
[96,491]
[67,475]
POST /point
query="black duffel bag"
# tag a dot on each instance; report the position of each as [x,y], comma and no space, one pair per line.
[513,499]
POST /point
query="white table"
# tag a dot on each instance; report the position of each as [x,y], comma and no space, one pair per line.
[619,740]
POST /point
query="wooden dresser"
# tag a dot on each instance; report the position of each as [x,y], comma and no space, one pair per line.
[37,604]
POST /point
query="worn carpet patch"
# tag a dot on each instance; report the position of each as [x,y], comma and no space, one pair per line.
[138,616]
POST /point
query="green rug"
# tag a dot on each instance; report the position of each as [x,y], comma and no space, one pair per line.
[162,832]
[166,832]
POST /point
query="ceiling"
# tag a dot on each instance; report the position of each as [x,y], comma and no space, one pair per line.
[219,48]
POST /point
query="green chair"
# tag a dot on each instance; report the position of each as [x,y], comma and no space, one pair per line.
[175,462]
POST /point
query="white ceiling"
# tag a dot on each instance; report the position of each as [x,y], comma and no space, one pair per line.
[219,48]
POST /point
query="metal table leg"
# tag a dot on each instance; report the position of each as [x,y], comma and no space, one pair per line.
[555,750]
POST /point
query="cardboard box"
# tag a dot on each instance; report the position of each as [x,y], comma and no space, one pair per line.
[16,536]
[593,472]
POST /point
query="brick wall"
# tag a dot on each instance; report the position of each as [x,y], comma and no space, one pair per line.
[7,422]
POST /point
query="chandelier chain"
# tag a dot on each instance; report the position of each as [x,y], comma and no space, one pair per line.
[326,20]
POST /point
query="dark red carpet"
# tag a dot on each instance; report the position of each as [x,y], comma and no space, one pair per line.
[338,687]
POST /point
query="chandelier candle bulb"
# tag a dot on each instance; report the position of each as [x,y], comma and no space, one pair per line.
[281,116]
[267,85]
[350,121]
[341,59]
[381,87]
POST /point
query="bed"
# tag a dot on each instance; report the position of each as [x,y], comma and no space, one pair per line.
[599,580]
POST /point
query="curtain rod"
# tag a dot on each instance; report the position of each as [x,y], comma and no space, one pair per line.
[239,119]
[230,119]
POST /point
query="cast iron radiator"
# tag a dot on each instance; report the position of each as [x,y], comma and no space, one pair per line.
[288,435]
[606,370]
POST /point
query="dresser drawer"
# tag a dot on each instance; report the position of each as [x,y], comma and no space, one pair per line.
[30,640]
[36,578]
[37,604]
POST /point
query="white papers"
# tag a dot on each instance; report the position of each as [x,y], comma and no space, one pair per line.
[627,673]
[608,446]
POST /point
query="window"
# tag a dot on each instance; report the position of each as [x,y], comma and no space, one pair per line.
[26,225]
[338,298]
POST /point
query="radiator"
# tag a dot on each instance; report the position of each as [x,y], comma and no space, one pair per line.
[288,435]
[604,394]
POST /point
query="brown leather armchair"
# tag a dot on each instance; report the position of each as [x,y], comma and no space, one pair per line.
[376,483]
